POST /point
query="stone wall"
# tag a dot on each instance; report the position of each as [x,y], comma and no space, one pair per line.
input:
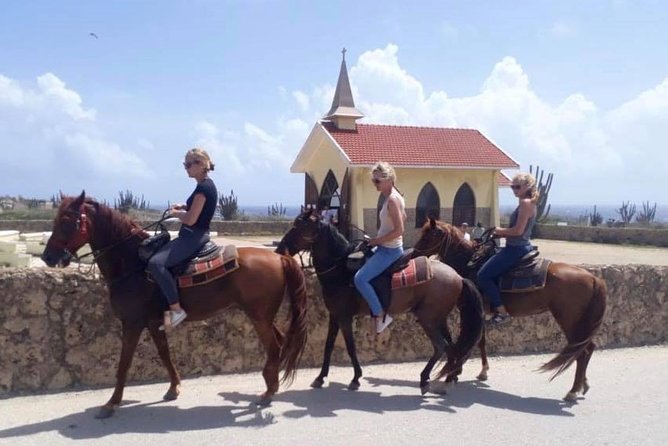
[222,227]
[603,234]
[57,331]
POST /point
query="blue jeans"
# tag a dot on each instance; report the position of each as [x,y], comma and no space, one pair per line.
[381,259]
[170,255]
[495,267]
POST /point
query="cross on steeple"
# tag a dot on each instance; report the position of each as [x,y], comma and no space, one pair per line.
[343,51]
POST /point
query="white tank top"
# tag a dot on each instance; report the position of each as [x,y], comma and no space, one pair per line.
[386,225]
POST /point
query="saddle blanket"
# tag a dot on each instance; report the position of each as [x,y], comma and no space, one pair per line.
[417,271]
[527,278]
[204,270]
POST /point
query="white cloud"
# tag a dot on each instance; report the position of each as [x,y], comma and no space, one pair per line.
[588,149]
[302,99]
[562,30]
[56,141]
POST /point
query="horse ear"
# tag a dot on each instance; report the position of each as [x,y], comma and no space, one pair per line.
[432,222]
[62,195]
[80,199]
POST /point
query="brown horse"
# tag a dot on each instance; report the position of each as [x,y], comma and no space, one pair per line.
[258,287]
[575,297]
[431,301]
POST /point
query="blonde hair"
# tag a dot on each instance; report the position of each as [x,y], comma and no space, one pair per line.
[384,170]
[528,180]
[202,156]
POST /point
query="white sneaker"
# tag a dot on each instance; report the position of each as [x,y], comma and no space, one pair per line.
[172,319]
[383,323]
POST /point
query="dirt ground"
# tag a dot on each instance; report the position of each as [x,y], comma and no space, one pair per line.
[560,251]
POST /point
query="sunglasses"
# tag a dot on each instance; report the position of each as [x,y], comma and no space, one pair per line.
[376,180]
[187,164]
[516,186]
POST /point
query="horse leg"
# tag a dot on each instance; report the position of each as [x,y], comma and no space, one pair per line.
[271,341]
[580,383]
[332,332]
[438,342]
[347,330]
[160,340]
[454,376]
[131,333]
[482,376]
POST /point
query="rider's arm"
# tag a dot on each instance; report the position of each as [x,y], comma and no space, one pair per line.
[190,216]
[397,222]
[526,211]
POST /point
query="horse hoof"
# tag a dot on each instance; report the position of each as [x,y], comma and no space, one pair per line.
[438,387]
[171,395]
[354,385]
[482,376]
[264,401]
[105,411]
[424,388]
[585,388]
[317,383]
[571,397]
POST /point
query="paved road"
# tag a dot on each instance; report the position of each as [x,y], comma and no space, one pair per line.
[571,252]
[626,405]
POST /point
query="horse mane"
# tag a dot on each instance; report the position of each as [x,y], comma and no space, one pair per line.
[340,245]
[118,224]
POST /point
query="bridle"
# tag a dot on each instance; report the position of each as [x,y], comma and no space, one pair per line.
[82,236]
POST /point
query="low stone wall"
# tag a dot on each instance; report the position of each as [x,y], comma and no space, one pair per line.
[57,331]
[222,227]
[603,234]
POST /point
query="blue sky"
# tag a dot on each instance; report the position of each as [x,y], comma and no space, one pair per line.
[578,87]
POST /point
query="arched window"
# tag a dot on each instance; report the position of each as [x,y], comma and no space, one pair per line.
[329,193]
[428,205]
[463,209]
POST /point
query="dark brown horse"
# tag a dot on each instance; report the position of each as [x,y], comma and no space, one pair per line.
[575,297]
[257,287]
[431,301]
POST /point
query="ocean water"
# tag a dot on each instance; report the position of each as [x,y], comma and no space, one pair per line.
[565,212]
[572,212]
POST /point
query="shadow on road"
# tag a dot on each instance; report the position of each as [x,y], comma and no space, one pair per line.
[146,418]
[160,417]
[467,393]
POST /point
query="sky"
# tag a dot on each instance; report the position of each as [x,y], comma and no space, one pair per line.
[579,88]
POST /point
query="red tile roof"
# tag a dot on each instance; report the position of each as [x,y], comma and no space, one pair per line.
[419,146]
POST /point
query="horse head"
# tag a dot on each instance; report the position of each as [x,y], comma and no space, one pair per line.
[71,230]
[433,235]
[303,233]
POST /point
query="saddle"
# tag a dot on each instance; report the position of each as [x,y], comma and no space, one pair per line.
[404,272]
[528,275]
[209,263]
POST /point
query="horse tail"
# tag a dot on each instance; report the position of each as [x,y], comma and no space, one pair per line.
[584,332]
[295,338]
[472,316]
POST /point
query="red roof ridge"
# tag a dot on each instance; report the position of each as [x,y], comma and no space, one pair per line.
[427,127]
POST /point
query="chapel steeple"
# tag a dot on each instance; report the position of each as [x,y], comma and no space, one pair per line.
[343,112]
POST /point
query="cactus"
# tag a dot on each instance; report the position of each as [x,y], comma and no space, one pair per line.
[626,212]
[276,210]
[127,200]
[228,206]
[595,218]
[646,216]
[543,209]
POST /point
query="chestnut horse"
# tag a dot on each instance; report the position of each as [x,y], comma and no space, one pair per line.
[258,287]
[575,297]
[430,301]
